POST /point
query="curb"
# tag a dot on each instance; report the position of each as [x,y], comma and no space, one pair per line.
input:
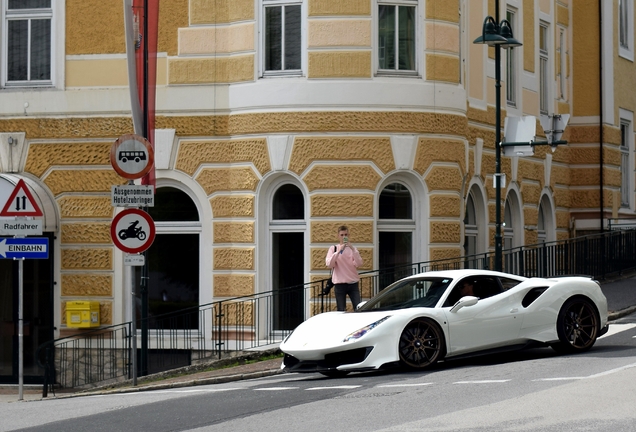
[621,313]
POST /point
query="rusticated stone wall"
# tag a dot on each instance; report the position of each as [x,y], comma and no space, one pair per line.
[232,206]
[309,149]
[72,207]
[87,285]
[193,154]
[88,233]
[233,285]
[228,179]
[233,232]
[228,259]
[342,205]
[87,258]
[342,177]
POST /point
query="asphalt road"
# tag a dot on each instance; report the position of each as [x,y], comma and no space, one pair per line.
[534,390]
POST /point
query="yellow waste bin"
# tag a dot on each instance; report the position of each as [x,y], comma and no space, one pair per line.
[82,314]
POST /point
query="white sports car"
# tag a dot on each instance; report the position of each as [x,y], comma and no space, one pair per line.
[425,318]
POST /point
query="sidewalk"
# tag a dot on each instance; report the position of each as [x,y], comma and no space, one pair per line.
[621,300]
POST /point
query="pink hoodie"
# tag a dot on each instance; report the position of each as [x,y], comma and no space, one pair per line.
[344,264]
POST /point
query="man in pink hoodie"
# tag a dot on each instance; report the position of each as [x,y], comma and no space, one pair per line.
[344,259]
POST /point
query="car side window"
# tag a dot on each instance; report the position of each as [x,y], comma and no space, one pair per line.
[487,287]
[508,283]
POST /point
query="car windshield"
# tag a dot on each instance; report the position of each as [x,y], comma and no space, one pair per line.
[423,292]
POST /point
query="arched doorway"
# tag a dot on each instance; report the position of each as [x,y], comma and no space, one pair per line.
[396,227]
[173,259]
[37,292]
[287,228]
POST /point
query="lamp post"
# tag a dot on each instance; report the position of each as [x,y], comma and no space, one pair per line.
[497,35]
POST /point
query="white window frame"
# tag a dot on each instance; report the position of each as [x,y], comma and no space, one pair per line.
[52,13]
[627,158]
[376,42]
[405,225]
[511,64]
[278,3]
[626,29]
[544,68]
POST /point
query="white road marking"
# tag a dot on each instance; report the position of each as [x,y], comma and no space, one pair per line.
[275,388]
[197,390]
[611,371]
[560,379]
[405,385]
[617,328]
[607,372]
[334,387]
[481,382]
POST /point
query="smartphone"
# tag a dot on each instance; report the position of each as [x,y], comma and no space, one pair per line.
[346,239]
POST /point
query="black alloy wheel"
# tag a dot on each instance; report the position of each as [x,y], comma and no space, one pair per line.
[421,344]
[577,326]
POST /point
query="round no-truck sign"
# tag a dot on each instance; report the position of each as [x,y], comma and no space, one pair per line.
[132,156]
[132,230]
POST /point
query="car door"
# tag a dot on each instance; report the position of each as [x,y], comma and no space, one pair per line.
[494,321]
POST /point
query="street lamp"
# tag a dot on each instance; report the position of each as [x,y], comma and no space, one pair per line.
[497,35]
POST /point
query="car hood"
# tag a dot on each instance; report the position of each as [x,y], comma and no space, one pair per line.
[330,328]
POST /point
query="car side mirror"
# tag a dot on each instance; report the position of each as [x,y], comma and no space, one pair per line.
[360,304]
[463,302]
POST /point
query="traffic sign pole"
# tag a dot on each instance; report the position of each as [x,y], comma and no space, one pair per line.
[132,157]
[21,329]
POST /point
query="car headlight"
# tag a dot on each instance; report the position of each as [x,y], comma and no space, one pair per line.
[364,330]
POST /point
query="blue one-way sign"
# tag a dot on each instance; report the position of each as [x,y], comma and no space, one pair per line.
[32,247]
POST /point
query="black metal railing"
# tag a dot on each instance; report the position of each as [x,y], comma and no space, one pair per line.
[239,324]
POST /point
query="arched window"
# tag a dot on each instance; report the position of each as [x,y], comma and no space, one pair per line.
[546,227]
[512,232]
[470,227]
[173,257]
[287,228]
[475,227]
[288,203]
[546,232]
[396,226]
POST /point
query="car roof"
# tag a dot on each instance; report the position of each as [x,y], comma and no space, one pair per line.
[457,274]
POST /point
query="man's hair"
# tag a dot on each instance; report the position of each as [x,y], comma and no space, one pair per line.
[343,228]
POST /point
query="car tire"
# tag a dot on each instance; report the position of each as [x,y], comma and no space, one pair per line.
[421,344]
[334,373]
[577,326]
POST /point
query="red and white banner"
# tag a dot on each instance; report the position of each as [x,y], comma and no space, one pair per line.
[141,16]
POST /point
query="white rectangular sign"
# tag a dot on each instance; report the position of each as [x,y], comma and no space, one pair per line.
[133,260]
[132,196]
[20,227]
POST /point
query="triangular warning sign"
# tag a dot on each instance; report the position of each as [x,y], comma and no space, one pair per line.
[21,202]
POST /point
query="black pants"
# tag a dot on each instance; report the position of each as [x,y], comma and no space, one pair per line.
[341,291]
